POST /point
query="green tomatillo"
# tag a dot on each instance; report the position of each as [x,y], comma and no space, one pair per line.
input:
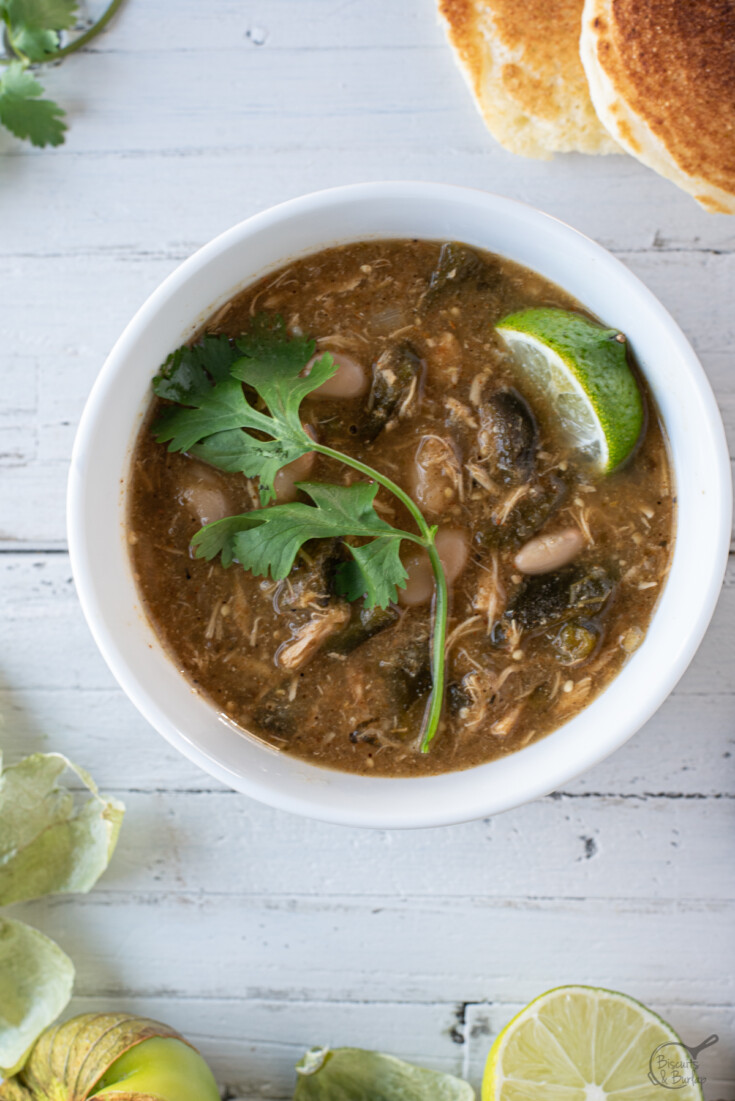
[113,1056]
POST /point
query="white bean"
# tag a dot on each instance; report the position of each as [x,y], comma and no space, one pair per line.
[549,552]
[434,475]
[451,545]
[350,380]
[203,494]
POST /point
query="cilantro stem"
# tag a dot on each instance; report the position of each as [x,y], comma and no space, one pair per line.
[88,35]
[441,611]
[441,600]
[376,476]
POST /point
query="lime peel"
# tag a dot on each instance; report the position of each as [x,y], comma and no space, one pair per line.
[582,370]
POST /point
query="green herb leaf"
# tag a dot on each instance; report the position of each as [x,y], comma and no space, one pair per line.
[213,427]
[349,580]
[376,573]
[218,538]
[47,844]
[36,980]
[349,1072]
[267,541]
[23,113]
[192,370]
[33,25]
[273,363]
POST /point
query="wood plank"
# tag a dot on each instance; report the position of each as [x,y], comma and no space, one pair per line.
[390,947]
[150,202]
[327,26]
[602,848]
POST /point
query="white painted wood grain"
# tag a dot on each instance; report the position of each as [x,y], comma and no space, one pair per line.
[601,848]
[391,947]
[255,932]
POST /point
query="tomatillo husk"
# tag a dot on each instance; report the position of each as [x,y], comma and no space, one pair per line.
[112,1056]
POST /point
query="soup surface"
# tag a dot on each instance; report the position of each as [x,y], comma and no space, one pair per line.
[553,569]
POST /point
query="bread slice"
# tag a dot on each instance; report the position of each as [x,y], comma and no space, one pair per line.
[662,79]
[521,60]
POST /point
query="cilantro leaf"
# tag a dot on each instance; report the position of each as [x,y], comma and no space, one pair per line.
[33,25]
[207,379]
[267,541]
[217,538]
[192,369]
[212,430]
[379,573]
[349,580]
[273,363]
[23,113]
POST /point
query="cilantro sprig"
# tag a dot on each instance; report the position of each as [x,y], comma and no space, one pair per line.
[33,30]
[269,540]
[236,406]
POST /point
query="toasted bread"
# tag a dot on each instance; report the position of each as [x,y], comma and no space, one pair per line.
[662,79]
[521,60]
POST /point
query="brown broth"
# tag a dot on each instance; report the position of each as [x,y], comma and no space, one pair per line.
[361,711]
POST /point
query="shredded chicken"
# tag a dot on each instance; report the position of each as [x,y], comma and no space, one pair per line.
[476,388]
[572,695]
[460,413]
[478,473]
[447,355]
[214,626]
[302,596]
[254,633]
[503,727]
[309,638]
[582,516]
[475,685]
[276,283]
[513,635]
[501,514]
[467,627]
[214,322]
[341,340]
[342,288]
[404,408]
[490,596]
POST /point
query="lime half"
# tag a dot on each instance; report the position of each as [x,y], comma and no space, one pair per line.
[581,1043]
[582,371]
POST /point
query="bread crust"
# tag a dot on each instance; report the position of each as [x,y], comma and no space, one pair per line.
[662,79]
[521,61]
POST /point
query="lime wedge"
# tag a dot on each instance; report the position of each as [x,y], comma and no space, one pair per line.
[581,1043]
[582,372]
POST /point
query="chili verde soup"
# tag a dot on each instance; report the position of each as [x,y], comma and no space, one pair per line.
[401,508]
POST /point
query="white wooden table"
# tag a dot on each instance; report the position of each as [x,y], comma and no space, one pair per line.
[256,933]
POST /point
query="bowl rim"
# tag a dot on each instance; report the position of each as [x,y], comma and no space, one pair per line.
[433,810]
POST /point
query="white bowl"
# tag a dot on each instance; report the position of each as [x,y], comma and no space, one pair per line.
[112,417]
